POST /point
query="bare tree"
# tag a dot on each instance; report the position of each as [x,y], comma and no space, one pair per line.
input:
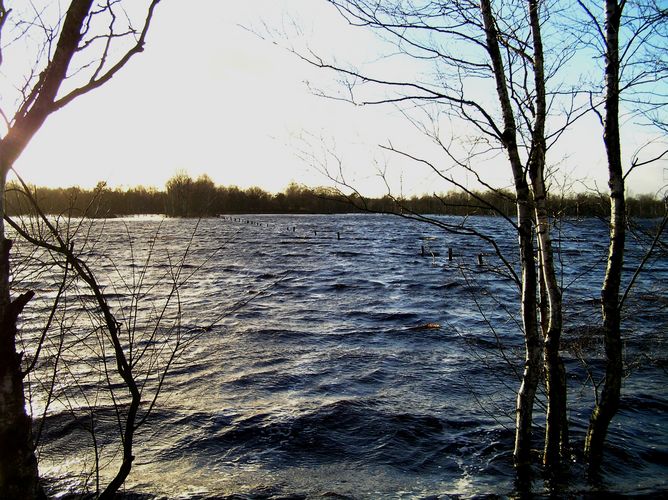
[111,336]
[142,346]
[497,46]
[556,430]
[77,51]
[472,45]
[630,37]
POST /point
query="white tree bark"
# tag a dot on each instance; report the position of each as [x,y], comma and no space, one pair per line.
[530,377]
[607,406]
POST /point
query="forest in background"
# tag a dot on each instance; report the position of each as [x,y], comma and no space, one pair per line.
[184,196]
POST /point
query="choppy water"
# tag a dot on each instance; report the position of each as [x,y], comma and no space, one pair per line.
[328,383]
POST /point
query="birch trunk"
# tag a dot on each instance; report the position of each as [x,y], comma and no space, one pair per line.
[530,377]
[606,407]
[531,374]
[555,433]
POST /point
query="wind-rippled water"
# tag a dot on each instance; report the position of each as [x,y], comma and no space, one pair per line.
[359,367]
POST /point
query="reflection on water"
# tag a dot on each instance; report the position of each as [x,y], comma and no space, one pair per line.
[328,382]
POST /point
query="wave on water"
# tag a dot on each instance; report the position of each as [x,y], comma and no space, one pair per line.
[357,368]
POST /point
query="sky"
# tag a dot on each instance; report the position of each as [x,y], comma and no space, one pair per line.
[210,96]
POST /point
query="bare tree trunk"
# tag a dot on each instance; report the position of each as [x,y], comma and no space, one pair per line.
[128,441]
[551,304]
[19,476]
[124,369]
[531,374]
[608,404]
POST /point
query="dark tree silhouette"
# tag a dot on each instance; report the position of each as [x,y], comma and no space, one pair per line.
[76,54]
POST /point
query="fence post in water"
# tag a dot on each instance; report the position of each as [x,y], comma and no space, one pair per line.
[480,259]
[449,253]
[338,235]
[422,250]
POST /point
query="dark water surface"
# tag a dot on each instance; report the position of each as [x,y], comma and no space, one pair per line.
[362,369]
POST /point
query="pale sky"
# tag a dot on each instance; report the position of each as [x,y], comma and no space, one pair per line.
[208,96]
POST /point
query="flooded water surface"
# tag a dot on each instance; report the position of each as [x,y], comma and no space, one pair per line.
[348,357]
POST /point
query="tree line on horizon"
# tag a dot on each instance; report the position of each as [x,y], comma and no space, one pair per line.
[184,196]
